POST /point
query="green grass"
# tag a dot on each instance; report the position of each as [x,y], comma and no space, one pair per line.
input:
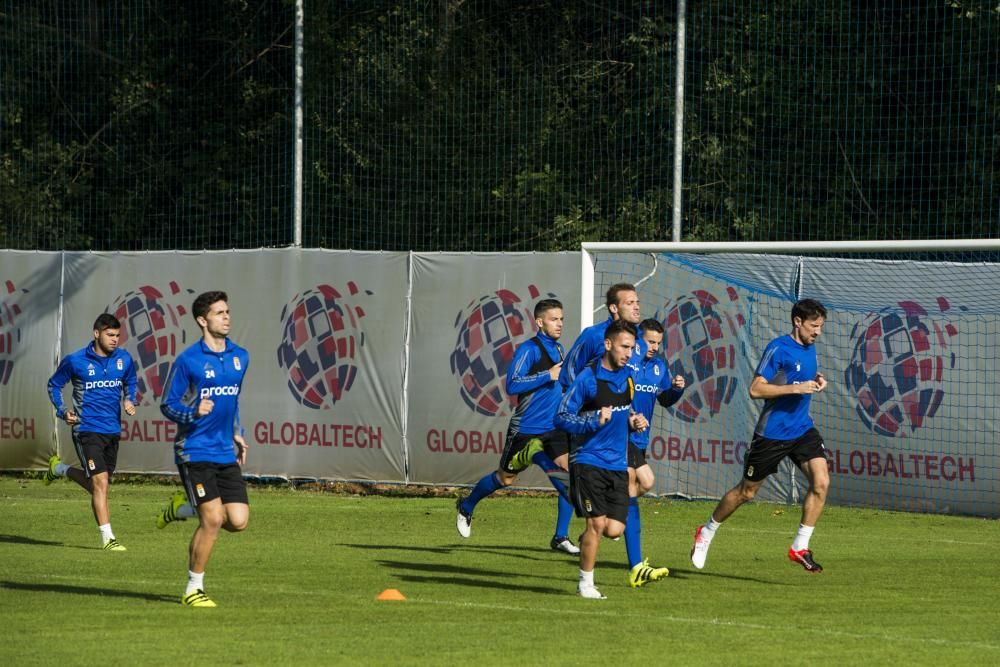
[299,586]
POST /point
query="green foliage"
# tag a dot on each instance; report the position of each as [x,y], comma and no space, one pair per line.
[298,587]
[489,125]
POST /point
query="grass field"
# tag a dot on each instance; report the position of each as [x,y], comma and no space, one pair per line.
[299,586]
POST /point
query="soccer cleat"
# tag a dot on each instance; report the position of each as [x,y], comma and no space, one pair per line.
[699,552]
[804,557]
[564,544]
[50,474]
[643,573]
[522,460]
[114,545]
[464,521]
[169,513]
[197,599]
[589,592]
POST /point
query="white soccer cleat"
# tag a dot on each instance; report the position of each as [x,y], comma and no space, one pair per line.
[564,544]
[589,592]
[699,552]
[464,521]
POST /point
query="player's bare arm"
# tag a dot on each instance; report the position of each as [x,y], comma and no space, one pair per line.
[762,389]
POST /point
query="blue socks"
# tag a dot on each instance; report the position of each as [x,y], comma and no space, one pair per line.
[483,488]
[558,478]
[563,517]
[633,531]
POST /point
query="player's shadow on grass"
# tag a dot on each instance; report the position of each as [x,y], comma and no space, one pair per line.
[466,576]
[677,573]
[453,569]
[527,553]
[86,590]
[21,539]
[483,583]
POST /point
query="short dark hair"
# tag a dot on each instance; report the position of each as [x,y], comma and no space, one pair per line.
[808,309]
[651,324]
[204,302]
[546,305]
[611,298]
[106,321]
[617,327]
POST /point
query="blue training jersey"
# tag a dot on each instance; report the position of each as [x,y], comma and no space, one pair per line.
[200,373]
[785,362]
[538,395]
[653,383]
[99,385]
[579,413]
[589,347]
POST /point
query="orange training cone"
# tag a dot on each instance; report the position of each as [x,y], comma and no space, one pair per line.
[390,594]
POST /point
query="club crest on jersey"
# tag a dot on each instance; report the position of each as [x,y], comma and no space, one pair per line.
[236,363]
[656,370]
[120,364]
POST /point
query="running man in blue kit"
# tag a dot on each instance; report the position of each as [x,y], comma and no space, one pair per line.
[104,381]
[202,397]
[786,378]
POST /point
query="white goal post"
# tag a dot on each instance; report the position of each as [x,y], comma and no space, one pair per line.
[911,348]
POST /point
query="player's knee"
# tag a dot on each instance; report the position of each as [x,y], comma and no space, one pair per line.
[613,529]
[211,519]
[236,525]
[747,492]
[820,486]
[507,479]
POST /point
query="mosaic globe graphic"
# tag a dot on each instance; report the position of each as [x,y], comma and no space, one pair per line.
[489,330]
[153,333]
[10,329]
[899,367]
[701,341]
[320,344]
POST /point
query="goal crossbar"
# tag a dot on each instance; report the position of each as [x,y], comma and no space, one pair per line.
[588,248]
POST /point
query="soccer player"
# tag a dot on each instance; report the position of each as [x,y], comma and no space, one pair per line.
[786,378]
[653,384]
[203,391]
[598,409]
[104,381]
[531,436]
[622,303]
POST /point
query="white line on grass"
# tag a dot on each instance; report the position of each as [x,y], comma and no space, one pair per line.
[715,622]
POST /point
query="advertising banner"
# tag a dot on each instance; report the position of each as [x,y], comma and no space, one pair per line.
[29,312]
[469,315]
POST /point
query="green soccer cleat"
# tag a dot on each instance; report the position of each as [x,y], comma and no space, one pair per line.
[50,474]
[522,460]
[197,599]
[169,513]
[643,573]
[114,545]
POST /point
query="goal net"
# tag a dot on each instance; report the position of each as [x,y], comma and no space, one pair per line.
[909,348]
